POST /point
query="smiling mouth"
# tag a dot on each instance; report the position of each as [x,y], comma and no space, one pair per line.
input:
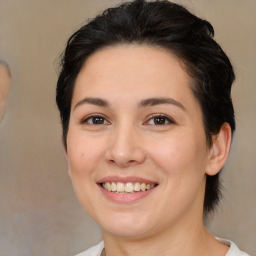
[126,188]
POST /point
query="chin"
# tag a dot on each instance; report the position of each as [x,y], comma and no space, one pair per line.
[126,225]
[129,231]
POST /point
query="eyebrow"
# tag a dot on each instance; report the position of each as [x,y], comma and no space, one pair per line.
[93,101]
[144,103]
[159,101]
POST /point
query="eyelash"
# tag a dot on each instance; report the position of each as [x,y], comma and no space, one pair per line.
[93,118]
[162,118]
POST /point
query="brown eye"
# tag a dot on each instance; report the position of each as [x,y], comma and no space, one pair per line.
[95,120]
[160,120]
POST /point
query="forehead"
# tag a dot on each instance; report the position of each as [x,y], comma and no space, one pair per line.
[129,56]
[132,68]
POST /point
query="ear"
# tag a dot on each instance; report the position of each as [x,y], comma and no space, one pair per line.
[219,150]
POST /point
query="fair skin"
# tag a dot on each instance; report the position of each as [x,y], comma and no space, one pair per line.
[135,122]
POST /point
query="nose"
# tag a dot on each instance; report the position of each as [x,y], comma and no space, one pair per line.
[125,147]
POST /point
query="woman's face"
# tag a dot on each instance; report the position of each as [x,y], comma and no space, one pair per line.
[136,146]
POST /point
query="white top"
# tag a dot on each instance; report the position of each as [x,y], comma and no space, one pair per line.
[233,250]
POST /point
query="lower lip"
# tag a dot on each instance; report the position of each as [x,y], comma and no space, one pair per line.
[125,198]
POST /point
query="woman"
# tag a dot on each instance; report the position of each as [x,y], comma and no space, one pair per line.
[144,99]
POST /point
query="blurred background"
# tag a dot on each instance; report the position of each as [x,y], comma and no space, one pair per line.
[39,213]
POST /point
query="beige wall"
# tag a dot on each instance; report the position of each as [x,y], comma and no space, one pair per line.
[39,214]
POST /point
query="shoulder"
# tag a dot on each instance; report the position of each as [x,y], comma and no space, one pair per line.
[233,250]
[93,251]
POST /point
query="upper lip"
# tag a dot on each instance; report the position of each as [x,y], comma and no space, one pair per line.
[127,179]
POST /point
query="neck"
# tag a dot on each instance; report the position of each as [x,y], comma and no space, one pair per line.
[190,241]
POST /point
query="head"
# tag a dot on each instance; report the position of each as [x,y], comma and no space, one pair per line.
[5,81]
[171,27]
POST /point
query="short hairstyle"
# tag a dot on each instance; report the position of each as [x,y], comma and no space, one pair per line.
[174,28]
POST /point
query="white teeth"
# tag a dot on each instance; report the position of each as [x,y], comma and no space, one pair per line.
[128,187]
[143,186]
[108,186]
[113,187]
[136,187]
[120,187]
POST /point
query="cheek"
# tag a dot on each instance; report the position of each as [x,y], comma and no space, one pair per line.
[181,161]
[180,154]
[82,156]
[83,153]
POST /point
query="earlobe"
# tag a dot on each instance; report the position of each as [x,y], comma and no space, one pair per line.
[219,150]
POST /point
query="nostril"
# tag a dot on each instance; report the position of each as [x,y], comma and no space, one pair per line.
[125,154]
[122,163]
